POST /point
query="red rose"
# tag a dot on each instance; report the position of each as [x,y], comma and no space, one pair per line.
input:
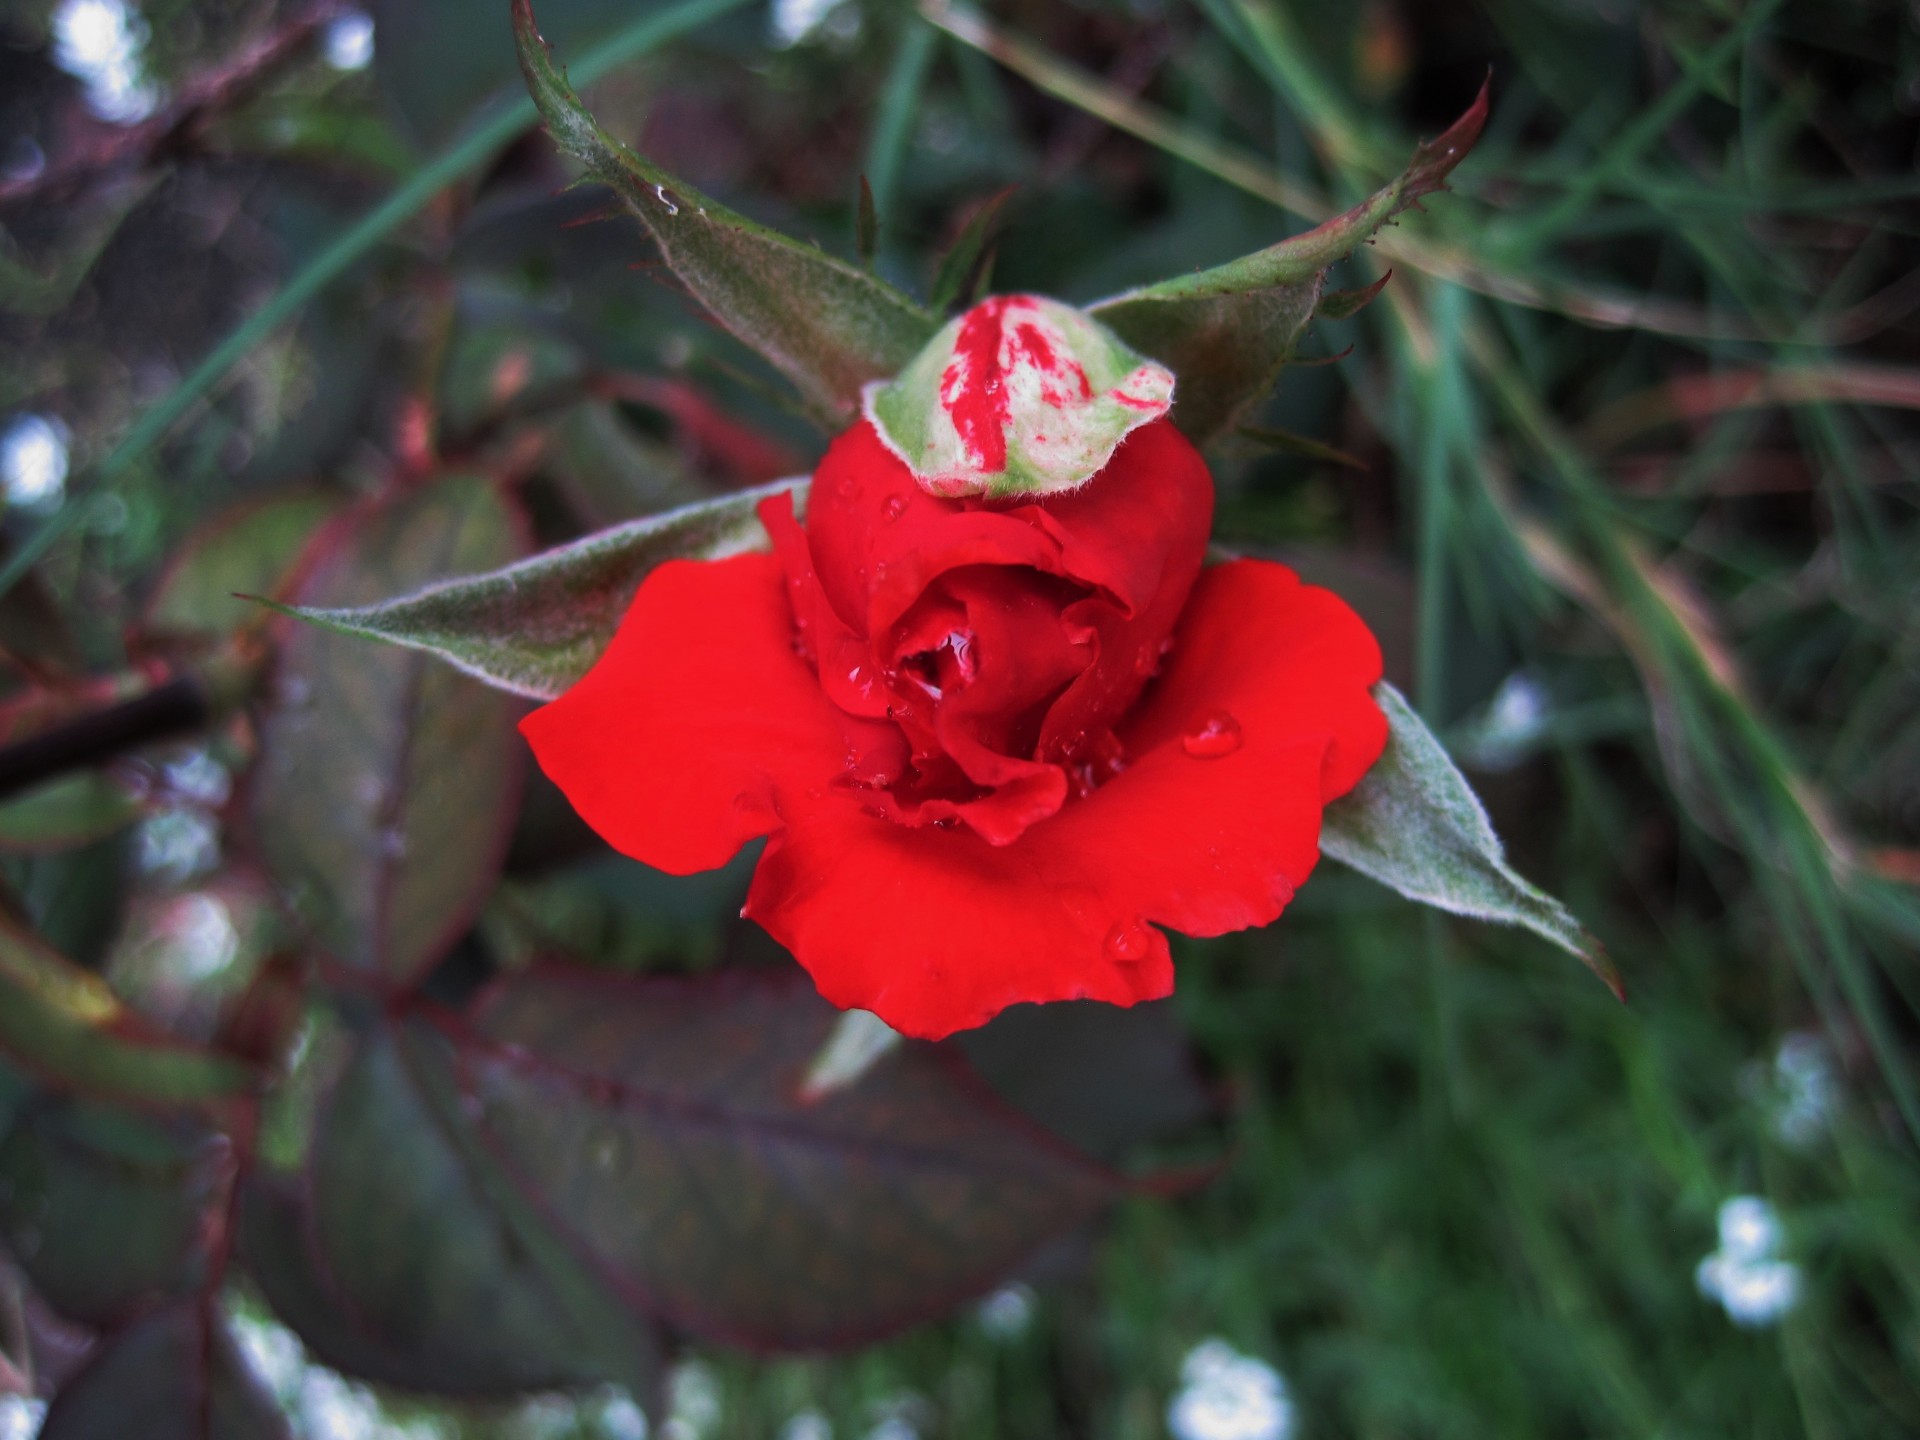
[993,744]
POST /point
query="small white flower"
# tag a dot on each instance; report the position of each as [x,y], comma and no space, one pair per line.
[1749,1229]
[1226,1395]
[1809,1090]
[1745,1274]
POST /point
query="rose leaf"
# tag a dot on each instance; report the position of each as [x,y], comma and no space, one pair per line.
[402,1255]
[828,326]
[1226,333]
[248,549]
[63,1024]
[537,626]
[106,1210]
[174,1374]
[386,783]
[1414,825]
[666,1126]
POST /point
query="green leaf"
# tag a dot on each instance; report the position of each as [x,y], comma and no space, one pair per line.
[663,1124]
[1227,332]
[248,549]
[1415,825]
[828,326]
[537,626]
[65,1025]
[63,814]
[175,1374]
[106,1210]
[386,783]
[957,279]
[404,1258]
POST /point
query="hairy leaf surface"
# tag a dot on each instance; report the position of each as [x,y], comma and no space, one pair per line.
[828,326]
[537,626]
[1416,826]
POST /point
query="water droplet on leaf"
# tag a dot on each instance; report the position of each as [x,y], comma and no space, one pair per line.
[666,199]
[1214,736]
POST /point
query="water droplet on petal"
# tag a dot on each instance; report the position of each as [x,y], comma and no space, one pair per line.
[1129,942]
[1212,737]
[895,507]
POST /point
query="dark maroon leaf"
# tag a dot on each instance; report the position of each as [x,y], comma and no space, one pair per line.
[658,1121]
[174,1375]
[106,1210]
[405,1258]
[386,780]
[1110,1080]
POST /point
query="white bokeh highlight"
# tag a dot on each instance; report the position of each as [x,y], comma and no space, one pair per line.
[102,44]
[348,42]
[1225,1395]
[34,462]
[21,1417]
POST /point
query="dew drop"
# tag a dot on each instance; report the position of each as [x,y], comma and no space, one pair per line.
[1216,735]
[1129,942]
[895,507]
[666,199]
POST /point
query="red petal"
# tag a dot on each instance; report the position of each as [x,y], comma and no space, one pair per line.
[936,930]
[1140,528]
[700,727]
[878,540]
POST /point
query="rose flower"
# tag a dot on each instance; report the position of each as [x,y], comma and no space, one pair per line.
[994,716]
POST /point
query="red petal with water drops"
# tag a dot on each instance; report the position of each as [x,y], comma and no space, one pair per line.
[936,930]
[700,727]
